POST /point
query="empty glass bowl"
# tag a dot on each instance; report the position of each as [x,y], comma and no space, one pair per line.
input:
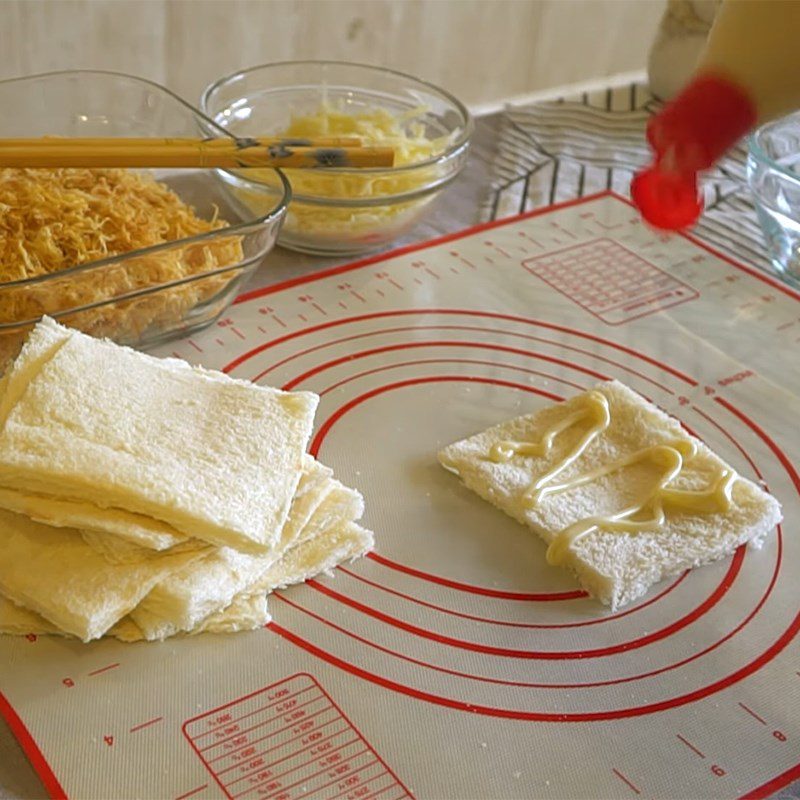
[152,294]
[342,211]
[773,172]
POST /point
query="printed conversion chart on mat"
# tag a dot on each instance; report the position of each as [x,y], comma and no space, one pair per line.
[453,662]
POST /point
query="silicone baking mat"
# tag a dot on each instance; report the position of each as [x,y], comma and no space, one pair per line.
[453,662]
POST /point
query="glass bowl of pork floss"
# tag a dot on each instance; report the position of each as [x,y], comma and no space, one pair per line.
[340,211]
[138,256]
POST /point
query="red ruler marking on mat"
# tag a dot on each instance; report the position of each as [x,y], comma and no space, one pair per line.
[630,784]
[274,745]
[609,281]
[147,724]
[752,713]
[690,746]
[192,792]
[103,669]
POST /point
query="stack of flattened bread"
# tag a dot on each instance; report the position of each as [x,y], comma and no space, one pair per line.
[142,498]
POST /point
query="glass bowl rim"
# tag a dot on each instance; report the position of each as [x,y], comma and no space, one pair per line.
[381,201]
[756,149]
[454,150]
[240,228]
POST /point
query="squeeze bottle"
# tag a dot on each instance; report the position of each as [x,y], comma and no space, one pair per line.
[748,74]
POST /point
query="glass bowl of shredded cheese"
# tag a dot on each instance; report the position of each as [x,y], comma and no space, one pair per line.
[344,211]
[138,256]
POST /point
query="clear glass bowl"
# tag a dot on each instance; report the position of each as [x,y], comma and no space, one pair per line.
[152,294]
[773,172]
[349,211]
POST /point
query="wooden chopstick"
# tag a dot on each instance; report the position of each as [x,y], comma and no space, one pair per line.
[167,141]
[227,153]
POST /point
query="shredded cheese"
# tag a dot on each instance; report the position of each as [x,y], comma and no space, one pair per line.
[378,127]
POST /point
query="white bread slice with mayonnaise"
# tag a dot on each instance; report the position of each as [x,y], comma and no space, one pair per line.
[613,566]
[212,457]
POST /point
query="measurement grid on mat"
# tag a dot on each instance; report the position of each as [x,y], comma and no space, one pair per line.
[609,281]
[287,742]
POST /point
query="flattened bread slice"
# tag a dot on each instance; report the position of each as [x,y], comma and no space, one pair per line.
[504,464]
[118,534]
[181,601]
[54,573]
[136,532]
[338,544]
[248,610]
[315,484]
[18,621]
[186,597]
[41,345]
[213,457]
[341,504]
[243,614]
[120,551]
[112,523]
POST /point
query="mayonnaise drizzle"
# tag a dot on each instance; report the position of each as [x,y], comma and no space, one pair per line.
[595,409]
[647,514]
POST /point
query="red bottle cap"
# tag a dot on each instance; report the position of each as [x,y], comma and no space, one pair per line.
[666,200]
[689,135]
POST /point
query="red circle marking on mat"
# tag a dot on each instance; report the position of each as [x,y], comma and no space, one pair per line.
[457,312]
[545,626]
[577,594]
[471,361]
[507,623]
[466,587]
[770,653]
[686,620]
[527,685]
[391,348]
[547,655]
[629,679]
[537,716]
[461,586]
[470,328]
